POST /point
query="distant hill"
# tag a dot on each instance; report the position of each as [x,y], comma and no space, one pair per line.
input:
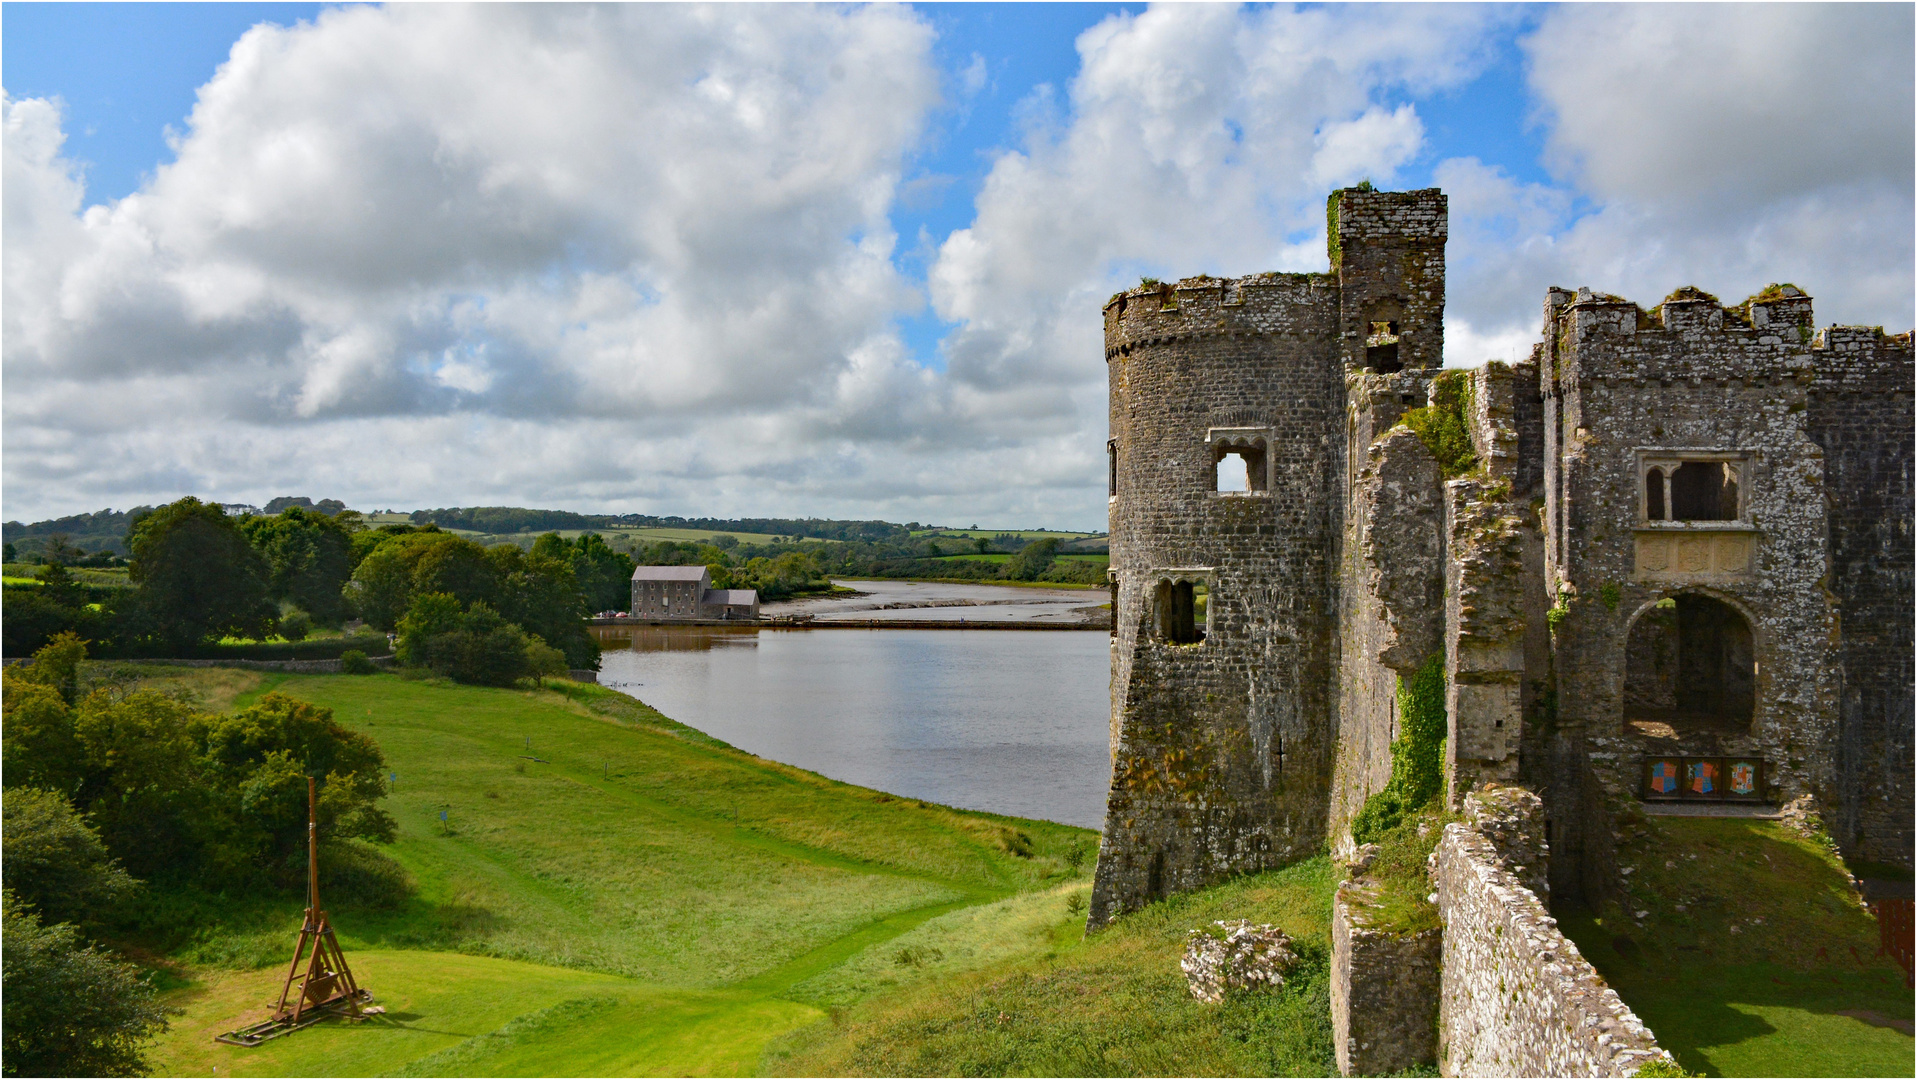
[514,519]
[107,529]
[101,531]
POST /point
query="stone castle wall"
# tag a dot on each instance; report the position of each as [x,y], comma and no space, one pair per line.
[1222,750]
[1516,997]
[1860,414]
[1623,386]
[1384,991]
[1392,580]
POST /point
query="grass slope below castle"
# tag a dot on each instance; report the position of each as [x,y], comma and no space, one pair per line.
[628,896]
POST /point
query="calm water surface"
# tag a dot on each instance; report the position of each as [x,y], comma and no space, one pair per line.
[1007,721]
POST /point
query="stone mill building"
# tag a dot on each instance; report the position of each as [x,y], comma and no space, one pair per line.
[1672,560]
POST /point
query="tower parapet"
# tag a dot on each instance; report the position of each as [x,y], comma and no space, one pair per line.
[1387,250]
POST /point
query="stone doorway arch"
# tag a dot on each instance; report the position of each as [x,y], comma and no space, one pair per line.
[1690,668]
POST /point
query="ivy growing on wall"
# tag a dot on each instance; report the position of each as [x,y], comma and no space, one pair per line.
[1442,425]
[1417,755]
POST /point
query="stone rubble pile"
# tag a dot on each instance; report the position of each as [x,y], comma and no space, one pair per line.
[1236,955]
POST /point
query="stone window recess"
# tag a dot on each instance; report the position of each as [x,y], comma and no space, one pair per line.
[1111,468]
[1382,328]
[1701,487]
[1240,463]
[1177,600]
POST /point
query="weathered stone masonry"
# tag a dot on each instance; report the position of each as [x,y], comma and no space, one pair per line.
[1223,734]
[1686,547]
[1517,998]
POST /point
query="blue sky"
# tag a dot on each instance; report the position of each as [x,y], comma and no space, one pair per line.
[128,74]
[840,261]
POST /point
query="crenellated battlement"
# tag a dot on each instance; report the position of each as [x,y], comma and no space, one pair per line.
[1692,336]
[1256,304]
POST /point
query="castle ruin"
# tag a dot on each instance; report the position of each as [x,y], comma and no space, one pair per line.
[1674,560]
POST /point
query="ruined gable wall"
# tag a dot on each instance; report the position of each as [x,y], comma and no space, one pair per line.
[1387,249]
[1621,380]
[1860,413]
[1391,580]
[1222,757]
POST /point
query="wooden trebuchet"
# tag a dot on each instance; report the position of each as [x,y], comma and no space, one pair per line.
[326,987]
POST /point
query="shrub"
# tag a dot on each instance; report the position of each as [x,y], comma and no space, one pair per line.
[296,625]
[1417,755]
[544,662]
[475,646]
[55,863]
[354,662]
[69,1009]
[1442,425]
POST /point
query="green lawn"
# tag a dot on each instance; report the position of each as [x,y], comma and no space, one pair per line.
[1113,1005]
[705,883]
[1752,951]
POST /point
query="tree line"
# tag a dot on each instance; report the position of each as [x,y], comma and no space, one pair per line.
[200,576]
[783,569]
[497,520]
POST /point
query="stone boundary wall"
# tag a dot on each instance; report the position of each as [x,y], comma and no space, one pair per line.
[1516,997]
[294,667]
[1384,991]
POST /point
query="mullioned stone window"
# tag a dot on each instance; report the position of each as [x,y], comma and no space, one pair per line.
[1707,486]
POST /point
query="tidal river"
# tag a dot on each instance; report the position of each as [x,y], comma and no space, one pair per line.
[1006,721]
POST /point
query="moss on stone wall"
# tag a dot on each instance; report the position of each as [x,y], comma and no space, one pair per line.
[1443,426]
[1417,755]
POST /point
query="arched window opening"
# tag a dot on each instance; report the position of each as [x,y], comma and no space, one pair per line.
[1654,494]
[1239,469]
[1177,613]
[1704,491]
[1690,668]
[1111,467]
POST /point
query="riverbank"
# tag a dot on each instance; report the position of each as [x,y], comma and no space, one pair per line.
[597,865]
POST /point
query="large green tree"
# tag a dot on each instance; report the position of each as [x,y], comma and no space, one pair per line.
[411,564]
[69,1009]
[541,594]
[199,578]
[604,576]
[309,557]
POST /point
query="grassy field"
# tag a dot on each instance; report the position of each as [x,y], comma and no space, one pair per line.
[1113,1005]
[1753,957]
[1023,534]
[24,574]
[616,870]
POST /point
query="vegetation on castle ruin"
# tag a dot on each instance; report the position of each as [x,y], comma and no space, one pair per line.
[1417,755]
[1444,425]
